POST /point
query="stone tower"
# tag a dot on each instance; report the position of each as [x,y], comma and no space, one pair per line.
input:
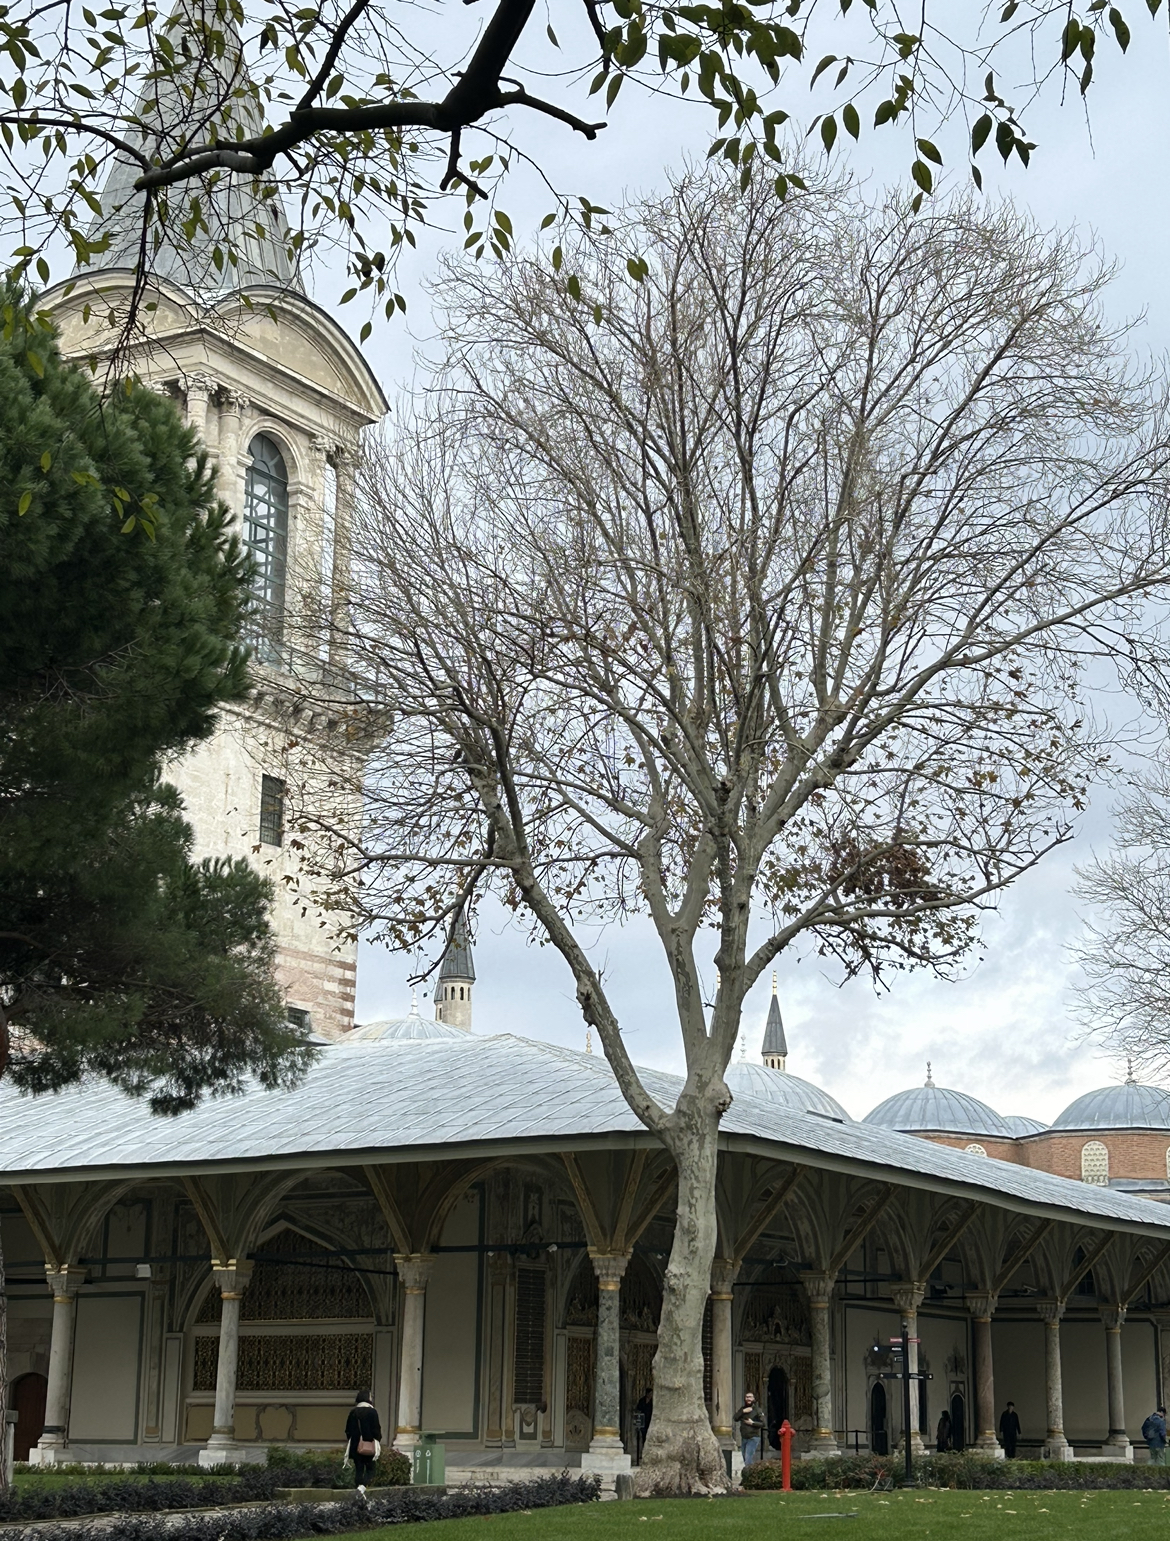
[775,1053]
[456,977]
[279,394]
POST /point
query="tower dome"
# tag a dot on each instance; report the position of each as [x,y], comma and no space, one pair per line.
[1128,1106]
[932,1109]
[782,1090]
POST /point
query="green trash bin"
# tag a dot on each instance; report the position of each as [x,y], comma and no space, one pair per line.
[429,1466]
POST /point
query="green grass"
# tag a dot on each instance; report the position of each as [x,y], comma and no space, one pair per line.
[48,1481]
[1094,1516]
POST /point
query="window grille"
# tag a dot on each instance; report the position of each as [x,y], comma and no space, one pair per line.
[528,1376]
[271,811]
[266,537]
[300,1018]
[976,1150]
[1095,1164]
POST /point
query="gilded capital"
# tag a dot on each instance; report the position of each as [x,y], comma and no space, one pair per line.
[723,1275]
[609,1268]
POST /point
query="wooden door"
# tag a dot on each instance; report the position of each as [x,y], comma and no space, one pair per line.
[28,1401]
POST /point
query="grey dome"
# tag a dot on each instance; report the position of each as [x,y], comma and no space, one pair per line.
[1019,1125]
[937,1110]
[788,1091]
[1128,1106]
[412,1028]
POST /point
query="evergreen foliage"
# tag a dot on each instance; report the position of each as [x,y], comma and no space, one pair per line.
[123,592]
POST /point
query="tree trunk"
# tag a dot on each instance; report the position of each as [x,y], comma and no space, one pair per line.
[681,1454]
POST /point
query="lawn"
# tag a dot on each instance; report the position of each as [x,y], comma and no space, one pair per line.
[1095,1516]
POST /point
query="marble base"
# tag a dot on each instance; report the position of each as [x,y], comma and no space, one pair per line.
[230,1453]
[1117,1450]
[989,1448]
[1057,1450]
[606,1459]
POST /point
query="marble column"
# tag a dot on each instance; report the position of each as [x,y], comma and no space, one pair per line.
[64,1284]
[907,1298]
[1117,1445]
[415,1272]
[982,1309]
[199,391]
[606,1453]
[819,1287]
[222,1447]
[1057,1447]
[723,1272]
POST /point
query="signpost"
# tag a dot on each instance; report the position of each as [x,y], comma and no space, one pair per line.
[905,1375]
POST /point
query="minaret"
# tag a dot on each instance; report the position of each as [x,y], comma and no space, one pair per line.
[775,1044]
[456,977]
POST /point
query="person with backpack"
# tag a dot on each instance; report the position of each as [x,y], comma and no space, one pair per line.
[1154,1434]
[363,1439]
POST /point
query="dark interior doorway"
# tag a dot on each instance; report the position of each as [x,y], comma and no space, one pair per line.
[28,1402]
[879,1437]
[777,1404]
[958,1422]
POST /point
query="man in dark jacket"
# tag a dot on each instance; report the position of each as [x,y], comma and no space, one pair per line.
[751,1426]
[1009,1430]
[363,1435]
[1154,1434]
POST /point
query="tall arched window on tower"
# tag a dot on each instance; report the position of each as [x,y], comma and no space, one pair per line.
[266,536]
[1095,1164]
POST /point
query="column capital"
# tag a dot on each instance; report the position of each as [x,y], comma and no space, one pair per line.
[199,385]
[982,1304]
[724,1271]
[908,1296]
[232,1277]
[609,1268]
[819,1287]
[414,1269]
[65,1282]
[1051,1311]
[1113,1317]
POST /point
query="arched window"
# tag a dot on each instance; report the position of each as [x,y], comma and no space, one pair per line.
[1095,1164]
[266,537]
[976,1150]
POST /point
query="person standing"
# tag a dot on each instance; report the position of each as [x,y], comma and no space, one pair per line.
[1154,1434]
[943,1441]
[751,1425]
[1009,1430]
[363,1439]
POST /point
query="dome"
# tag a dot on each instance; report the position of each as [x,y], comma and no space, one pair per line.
[412,1027]
[1019,1125]
[1128,1106]
[783,1090]
[937,1110]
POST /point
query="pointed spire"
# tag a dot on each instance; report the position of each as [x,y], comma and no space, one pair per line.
[1129,1078]
[217,95]
[456,977]
[775,1051]
[413,1001]
[929,1077]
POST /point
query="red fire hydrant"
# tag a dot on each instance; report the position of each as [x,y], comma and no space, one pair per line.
[786,1432]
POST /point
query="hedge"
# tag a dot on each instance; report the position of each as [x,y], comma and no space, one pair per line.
[957,1471]
[281,1522]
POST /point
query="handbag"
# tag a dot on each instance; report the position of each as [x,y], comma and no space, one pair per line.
[366,1447]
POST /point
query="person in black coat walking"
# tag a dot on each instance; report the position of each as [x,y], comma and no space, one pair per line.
[363,1439]
[1009,1430]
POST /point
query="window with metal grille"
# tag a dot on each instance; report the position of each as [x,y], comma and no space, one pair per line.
[528,1368]
[266,537]
[271,811]
[1095,1164]
[300,1018]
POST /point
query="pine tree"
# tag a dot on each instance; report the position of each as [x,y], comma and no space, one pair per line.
[123,592]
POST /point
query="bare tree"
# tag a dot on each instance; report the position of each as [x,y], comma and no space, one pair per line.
[362,112]
[1125,952]
[749,592]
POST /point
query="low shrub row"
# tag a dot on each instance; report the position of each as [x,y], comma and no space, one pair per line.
[275,1522]
[328,1469]
[956,1471]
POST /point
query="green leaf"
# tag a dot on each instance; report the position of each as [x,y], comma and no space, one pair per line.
[1070,39]
[821,67]
[36,364]
[930,151]
[828,132]
[885,111]
[920,171]
[549,219]
[25,504]
[557,258]
[552,37]
[851,120]
[46,461]
[980,132]
[977,177]
[574,286]
[1120,30]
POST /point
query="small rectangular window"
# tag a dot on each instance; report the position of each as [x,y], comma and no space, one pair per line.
[271,811]
[300,1018]
[528,1361]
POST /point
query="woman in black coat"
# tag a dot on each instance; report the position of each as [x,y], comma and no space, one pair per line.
[363,1439]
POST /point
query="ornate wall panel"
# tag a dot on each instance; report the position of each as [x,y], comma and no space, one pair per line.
[312,1362]
[776,1313]
[299,1289]
[578,1393]
[528,1362]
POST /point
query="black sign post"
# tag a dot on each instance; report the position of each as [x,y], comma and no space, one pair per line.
[905,1375]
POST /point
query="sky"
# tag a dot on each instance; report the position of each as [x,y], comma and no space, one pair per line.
[1003,1031]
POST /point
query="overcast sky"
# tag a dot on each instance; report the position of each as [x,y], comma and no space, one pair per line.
[1004,1031]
